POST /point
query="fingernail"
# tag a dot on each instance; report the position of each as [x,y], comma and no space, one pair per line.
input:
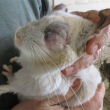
[77,82]
[69,70]
[100,85]
[95,48]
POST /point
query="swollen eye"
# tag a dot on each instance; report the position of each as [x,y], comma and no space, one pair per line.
[56,34]
[51,36]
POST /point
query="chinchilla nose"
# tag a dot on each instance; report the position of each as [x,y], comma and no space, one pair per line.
[19,37]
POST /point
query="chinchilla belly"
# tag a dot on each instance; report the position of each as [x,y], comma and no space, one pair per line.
[44,87]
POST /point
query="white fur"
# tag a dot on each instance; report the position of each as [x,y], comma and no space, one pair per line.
[41,76]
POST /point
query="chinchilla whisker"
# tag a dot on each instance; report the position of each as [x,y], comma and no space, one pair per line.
[73,90]
[61,73]
[54,77]
[64,78]
[34,59]
[49,72]
[74,93]
[28,68]
[60,89]
[48,99]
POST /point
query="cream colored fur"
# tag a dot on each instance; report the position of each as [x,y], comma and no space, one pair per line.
[41,77]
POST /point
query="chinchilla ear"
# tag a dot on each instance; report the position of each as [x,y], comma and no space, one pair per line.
[62,7]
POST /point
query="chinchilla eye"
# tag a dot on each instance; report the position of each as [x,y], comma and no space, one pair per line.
[50,36]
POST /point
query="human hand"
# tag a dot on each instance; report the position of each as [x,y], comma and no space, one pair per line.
[94,46]
[96,103]
[99,39]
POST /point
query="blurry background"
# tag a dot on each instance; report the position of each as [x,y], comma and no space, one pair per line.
[82,5]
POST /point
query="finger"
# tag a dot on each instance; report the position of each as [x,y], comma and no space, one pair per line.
[56,107]
[98,41]
[76,108]
[83,14]
[6,68]
[75,88]
[105,18]
[101,89]
[98,97]
[91,15]
[80,64]
[96,19]
[95,103]
[10,67]
[5,73]
[14,59]
[62,7]
[106,23]
[9,71]
[34,105]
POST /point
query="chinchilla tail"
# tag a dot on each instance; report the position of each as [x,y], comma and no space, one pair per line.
[6,89]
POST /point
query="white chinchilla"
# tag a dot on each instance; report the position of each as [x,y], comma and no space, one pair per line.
[48,46]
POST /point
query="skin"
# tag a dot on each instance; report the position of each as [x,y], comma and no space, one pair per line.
[93,52]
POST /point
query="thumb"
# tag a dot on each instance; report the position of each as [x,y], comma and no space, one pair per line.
[101,89]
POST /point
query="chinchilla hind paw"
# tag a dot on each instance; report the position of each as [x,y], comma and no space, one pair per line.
[8,72]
